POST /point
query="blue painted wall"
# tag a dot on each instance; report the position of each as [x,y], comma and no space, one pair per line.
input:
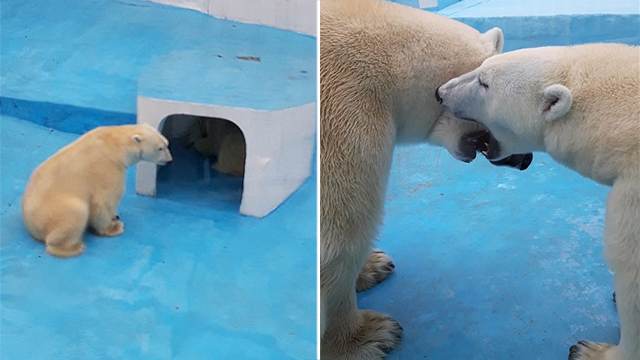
[415,3]
[523,32]
[547,22]
[552,22]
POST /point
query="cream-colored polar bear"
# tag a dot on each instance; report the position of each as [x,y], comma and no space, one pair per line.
[222,140]
[580,104]
[380,64]
[80,186]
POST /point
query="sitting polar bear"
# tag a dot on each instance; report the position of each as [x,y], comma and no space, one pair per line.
[380,64]
[580,104]
[81,185]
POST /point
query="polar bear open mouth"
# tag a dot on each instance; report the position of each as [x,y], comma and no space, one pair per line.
[484,142]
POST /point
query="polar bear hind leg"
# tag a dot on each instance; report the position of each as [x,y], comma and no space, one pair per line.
[622,244]
[67,229]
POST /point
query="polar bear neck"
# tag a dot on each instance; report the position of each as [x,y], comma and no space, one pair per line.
[600,136]
[414,106]
[571,144]
[117,141]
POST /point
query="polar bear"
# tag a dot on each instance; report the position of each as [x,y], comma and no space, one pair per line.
[380,64]
[222,140]
[581,104]
[80,186]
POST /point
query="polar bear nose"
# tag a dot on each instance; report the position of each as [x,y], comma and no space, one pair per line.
[438,98]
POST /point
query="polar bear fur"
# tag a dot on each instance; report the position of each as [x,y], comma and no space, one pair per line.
[80,186]
[580,104]
[380,64]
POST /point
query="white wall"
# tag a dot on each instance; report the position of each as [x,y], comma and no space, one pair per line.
[295,15]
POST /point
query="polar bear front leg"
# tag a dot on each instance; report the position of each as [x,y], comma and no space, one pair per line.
[622,248]
[377,268]
[352,333]
[355,163]
[104,221]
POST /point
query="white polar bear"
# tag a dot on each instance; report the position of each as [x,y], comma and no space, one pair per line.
[222,140]
[580,104]
[380,64]
[81,185]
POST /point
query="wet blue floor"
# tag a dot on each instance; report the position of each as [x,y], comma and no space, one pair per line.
[189,279]
[493,263]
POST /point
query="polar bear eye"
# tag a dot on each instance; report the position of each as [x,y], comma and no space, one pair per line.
[484,85]
[159,149]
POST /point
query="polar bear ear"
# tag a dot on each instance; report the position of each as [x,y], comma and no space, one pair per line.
[137,138]
[494,40]
[556,102]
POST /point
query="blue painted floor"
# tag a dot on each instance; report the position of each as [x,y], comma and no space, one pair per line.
[493,263]
[62,56]
[189,279]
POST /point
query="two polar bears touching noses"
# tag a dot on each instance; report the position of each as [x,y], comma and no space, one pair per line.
[80,186]
[391,74]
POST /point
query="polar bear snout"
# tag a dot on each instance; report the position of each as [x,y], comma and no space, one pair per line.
[441,95]
[164,161]
[454,97]
[164,157]
[438,97]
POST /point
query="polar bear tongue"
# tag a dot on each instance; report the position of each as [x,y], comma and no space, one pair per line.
[518,161]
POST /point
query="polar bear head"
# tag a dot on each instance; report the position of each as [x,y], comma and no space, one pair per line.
[515,95]
[150,145]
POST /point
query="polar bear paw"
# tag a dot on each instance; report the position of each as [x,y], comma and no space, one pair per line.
[116,228]
[376,336]
[378,267]
[66,250]
[587,350]
[379,334]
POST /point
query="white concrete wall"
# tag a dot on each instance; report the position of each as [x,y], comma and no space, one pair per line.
[295,15]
